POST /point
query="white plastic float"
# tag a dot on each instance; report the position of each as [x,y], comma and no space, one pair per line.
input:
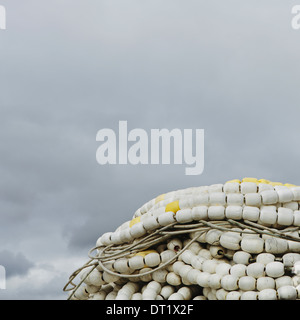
[234,241]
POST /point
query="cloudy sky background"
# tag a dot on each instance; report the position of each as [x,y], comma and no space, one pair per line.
[69,68]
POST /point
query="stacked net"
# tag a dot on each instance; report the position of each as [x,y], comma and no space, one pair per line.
[234,241]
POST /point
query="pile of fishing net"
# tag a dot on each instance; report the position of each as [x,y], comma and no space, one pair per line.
[234,241]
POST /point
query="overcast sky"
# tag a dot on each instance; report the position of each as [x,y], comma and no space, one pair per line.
[69,68]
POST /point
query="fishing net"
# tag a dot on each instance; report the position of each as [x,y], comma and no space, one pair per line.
[233,241]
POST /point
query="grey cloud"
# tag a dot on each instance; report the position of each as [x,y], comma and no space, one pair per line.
[15,264]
